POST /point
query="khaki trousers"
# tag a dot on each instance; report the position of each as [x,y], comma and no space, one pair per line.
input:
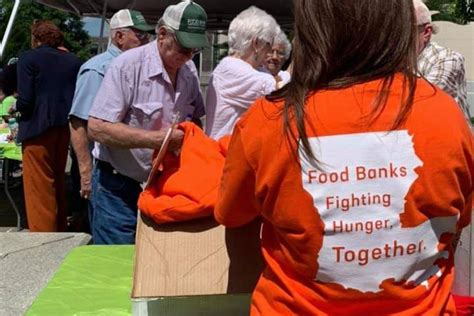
[44,163]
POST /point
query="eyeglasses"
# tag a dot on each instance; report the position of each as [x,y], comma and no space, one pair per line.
[279,53]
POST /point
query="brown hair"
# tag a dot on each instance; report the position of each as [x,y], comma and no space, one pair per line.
[341,43]
[47,33]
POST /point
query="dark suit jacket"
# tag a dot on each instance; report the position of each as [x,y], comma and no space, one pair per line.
[46,83]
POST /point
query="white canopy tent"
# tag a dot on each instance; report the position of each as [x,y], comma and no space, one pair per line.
[220,13]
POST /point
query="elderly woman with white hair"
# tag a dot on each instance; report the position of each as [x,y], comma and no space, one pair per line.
[277,57]
[236,83]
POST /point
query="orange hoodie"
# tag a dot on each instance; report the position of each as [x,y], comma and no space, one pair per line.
[371,231]
[187,187]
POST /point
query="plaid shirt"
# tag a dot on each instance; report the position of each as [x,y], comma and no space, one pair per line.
[445,68]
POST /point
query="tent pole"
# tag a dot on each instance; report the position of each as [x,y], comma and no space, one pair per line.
[102,26]
[74,7]
[8,30]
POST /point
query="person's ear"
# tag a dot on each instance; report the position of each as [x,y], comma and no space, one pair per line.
[119,37]
[161,34]
[427,33]
[255,44]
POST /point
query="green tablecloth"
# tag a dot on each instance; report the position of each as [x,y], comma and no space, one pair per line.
[92,280]
[9,150]
[6,105]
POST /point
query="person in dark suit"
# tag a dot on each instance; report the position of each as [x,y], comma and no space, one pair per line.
[46,83]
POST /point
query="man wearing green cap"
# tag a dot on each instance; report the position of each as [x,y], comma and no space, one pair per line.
[141,91]
[128,29]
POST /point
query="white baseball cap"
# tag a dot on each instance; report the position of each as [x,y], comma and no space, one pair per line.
[130,18]
[423,14]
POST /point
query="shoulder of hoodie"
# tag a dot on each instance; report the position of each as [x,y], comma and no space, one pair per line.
[431,107]
[262,111]
[262,122]
[435,107]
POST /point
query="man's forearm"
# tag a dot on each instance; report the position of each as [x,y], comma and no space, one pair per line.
[120,135]
[80,144]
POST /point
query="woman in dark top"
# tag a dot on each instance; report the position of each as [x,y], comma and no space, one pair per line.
[46,83]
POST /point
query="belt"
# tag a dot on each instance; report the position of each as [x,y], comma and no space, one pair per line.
[104,165]
[107,167]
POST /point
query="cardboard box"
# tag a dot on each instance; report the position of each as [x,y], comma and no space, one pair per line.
[195,268]
[201,268]
[464,264]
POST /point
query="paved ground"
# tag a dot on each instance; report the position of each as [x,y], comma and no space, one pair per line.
[29,260]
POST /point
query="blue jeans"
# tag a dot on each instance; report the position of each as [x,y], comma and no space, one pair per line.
[113,206]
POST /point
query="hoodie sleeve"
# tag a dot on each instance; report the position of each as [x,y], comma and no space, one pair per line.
[236,202]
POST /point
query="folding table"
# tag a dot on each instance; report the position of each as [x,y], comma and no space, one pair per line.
[9,151]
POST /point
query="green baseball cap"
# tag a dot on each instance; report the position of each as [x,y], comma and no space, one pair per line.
[130,18]
[189,20]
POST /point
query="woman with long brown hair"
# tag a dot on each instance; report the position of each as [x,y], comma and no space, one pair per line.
[362,172]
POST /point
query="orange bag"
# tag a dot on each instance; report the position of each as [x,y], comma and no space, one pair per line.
[187,187]
[464,305]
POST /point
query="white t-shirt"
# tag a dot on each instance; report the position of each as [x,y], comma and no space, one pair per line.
[233,87]
[285,77]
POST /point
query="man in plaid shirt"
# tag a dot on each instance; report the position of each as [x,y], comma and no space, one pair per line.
[440,65]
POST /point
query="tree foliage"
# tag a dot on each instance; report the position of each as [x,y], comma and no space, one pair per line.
[76,38]
[465,10]
[457,11]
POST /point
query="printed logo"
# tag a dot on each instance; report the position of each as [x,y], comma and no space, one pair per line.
[196,24]
[360,196]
